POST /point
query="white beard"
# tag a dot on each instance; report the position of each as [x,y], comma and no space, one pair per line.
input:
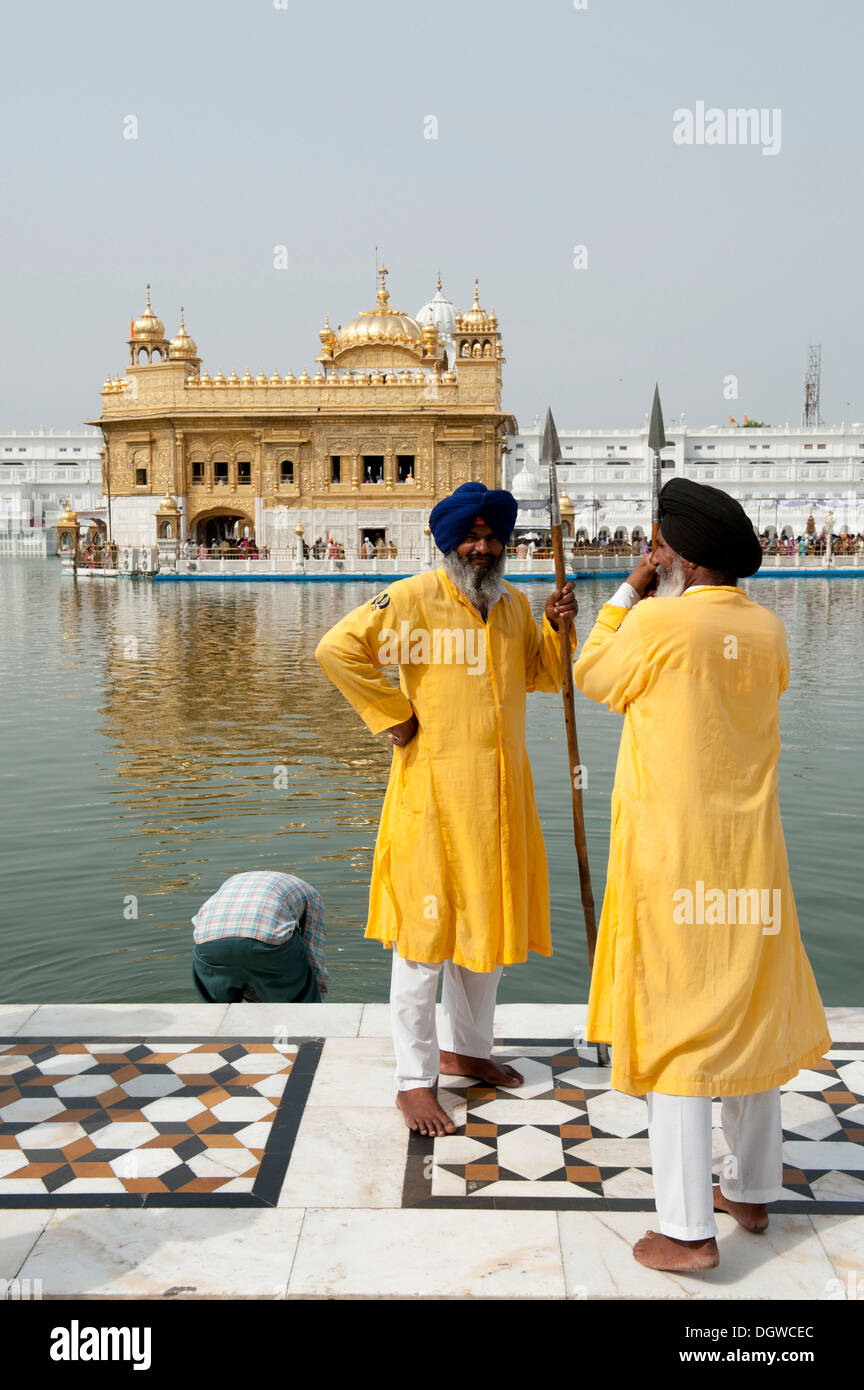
[481,587]
[672,582]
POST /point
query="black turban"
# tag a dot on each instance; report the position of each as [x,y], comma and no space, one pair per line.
[709,528]
[452,519]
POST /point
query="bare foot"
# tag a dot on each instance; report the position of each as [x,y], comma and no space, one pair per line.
[656,1251]
[484,1068]
[422,1113]
[753,1216]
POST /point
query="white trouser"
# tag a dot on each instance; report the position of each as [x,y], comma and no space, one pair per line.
[468,1005]
[679,1129]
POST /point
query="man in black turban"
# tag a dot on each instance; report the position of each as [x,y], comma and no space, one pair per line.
[707,530]
[700,981]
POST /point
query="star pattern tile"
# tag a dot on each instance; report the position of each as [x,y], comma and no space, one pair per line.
[158,1122]
[566,1140]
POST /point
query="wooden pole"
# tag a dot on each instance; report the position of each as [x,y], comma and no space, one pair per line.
[575,765]
[573,754]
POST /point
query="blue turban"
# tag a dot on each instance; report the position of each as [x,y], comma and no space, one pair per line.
[452,518]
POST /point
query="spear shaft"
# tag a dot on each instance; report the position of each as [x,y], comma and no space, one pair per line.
[564,629]
[550,453]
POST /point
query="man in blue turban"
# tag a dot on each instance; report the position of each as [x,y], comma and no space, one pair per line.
[459,878]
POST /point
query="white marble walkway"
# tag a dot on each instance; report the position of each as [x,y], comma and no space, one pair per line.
[339,1229]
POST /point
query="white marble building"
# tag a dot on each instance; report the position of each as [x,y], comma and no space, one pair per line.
[39,469]
[780,475]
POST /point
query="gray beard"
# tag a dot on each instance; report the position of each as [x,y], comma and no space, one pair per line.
[482,588]
[672,582]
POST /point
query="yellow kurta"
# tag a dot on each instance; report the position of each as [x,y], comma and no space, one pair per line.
[460,868]
[697,1007]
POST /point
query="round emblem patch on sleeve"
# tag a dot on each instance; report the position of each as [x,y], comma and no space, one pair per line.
[380,600]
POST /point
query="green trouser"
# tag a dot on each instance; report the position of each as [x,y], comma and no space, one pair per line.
[279,973]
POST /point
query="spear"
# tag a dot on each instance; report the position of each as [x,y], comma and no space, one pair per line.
[551,453]
[656,442]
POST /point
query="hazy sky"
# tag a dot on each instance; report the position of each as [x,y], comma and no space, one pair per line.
[305,126]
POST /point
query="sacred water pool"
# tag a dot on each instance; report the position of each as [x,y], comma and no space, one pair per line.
[144,727]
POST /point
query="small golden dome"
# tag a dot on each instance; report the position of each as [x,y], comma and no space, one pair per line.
[298,529]
[476,317]
[233,379]
[68,517]
[181,347]
[275,379]
[566,504]
[382,324]
[327,336]
[318,378]
[448,378]
[304,379]
[204,379]
[247,378]
[290,379]
[261,379]
[219,379]
[148,328]
[427,530]
[168,503]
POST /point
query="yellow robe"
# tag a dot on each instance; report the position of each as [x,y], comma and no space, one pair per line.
[459,870]
[693,1004]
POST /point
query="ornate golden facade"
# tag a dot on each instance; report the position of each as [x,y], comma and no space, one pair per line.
[397,414]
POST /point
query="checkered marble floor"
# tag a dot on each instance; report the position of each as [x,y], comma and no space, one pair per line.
[161,1122]
[564,1140]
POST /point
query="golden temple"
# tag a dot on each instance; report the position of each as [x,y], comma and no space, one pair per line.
[399,411]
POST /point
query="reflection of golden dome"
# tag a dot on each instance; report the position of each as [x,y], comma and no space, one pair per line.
[181,348]
[476,317]
[148,328]
[380,325]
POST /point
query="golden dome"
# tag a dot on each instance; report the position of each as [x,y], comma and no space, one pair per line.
[565,502]
[476,317]
[68,516]
[181,348]
[380,325]
[148,328]
[168,503]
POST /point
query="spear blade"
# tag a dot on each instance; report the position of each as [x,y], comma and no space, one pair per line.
[656,442]
[554,503]
[656,433]
[550,451]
